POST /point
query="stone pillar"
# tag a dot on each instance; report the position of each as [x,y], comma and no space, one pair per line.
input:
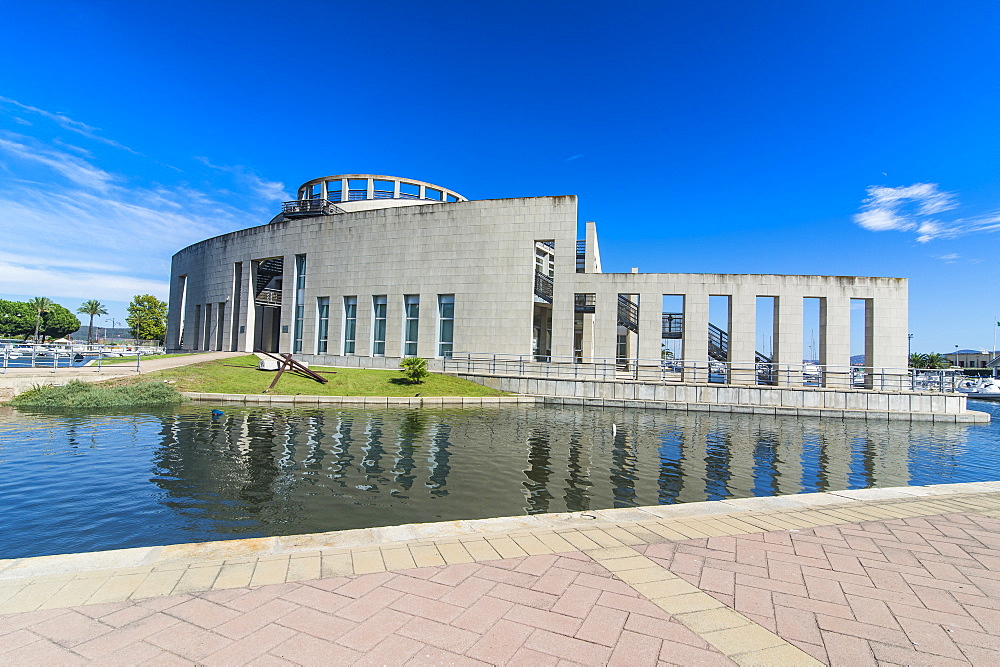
[593,253]
[695,342]
[606,325]
[371,188]
[248,312]
[835,340]
[650,329]
[788,339]
[888,346]
[394,324]
[742,338]
[427,326]
[345,184]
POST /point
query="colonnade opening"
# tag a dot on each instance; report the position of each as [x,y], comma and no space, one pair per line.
[862,342]
[765,324]
[584,308]
[268,275]
[541,314]
[719,315]
[627,349]
[813,331]
[672,328]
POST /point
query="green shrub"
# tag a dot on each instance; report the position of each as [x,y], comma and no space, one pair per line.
[414,368]
[77,394]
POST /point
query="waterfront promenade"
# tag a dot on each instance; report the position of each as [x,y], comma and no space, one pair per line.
[15,380]
[894,576]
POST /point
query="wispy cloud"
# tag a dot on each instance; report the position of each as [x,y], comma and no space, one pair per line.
[73,228]
[66,122]
[920,208]
[269,191]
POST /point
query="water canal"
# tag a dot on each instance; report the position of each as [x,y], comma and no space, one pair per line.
[73,482]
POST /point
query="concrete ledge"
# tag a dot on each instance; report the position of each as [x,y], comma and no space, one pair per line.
[968,417]
[379,401]
[381,537]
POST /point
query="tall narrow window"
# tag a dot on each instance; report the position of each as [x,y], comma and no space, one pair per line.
[300,301]
[411,313]
[350,323]
[378,325]
[322,324]
[183,312]
[446,324]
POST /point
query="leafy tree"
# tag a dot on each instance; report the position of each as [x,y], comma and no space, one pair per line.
[932,360]
[41,305]
[92,307]
[16,319]
[414,368]
[935,360]
[59,322]
[147,317]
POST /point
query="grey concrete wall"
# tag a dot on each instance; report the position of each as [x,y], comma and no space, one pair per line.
[480,251]
[804,402]
[483,253]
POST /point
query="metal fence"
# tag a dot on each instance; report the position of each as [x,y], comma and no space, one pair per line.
[55,357]
[683,371]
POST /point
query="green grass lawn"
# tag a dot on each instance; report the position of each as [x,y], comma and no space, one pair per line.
[131,358]
[222,378]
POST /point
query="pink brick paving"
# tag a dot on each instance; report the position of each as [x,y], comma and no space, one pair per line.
[537,610]
[918,591]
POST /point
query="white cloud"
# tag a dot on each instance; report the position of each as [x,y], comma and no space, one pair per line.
[918,208]
[269,191]
[72,228]
[53,281]
[72,167]
[66,122]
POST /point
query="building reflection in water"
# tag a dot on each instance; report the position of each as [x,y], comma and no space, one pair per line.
[305,470]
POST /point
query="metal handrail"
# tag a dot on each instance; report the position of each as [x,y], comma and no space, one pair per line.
[305,207]
[676,371]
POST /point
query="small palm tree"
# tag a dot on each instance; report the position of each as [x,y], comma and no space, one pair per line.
[41,305]
[92,307]
[937,360]
[918,360]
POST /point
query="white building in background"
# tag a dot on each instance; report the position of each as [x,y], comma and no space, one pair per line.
[364,269]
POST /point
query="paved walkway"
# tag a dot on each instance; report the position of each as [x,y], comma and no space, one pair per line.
[145,366]
[15,380]
[882,576]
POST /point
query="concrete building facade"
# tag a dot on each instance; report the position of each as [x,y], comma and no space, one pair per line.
[364,269]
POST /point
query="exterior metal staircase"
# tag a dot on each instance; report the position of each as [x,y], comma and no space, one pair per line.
[628,314]
[266,272]
[543,286]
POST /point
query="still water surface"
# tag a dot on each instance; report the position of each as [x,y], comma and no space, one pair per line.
[72,482]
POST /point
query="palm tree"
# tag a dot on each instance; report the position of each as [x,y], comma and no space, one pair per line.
[41,305]
[92,307]
[937,360]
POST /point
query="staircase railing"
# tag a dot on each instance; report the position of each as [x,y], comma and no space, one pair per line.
[628,314]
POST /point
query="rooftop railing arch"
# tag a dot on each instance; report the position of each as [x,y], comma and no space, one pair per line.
[359,187]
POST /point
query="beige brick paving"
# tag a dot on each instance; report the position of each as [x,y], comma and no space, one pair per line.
[902,576]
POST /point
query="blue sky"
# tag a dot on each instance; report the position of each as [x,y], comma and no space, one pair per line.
[834,138]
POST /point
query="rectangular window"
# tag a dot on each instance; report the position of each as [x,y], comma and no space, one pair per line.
[350,323]
[411,323]
[446,324]
[378,325]
[322,323]
[300,301]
